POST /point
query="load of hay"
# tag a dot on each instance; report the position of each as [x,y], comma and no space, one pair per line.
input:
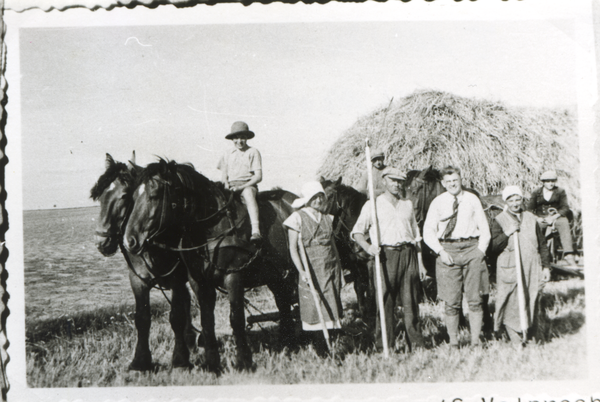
[493,144]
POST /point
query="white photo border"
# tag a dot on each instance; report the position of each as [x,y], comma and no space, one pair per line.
[37,13]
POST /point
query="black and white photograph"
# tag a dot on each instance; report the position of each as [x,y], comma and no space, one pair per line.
[347,200]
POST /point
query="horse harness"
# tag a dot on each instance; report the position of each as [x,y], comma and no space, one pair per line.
[204,247]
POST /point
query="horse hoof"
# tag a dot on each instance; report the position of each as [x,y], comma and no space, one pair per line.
[137,366]
[245,366]
[183,365]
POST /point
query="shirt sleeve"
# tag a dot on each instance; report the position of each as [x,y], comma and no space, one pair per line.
[499,240]
[363,223]
[563,203]
[532,202]
[430,228]
[222,165]
[482,225]
[255,161]
[294,222]
[414,225]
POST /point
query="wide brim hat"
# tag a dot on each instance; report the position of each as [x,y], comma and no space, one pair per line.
[394,173]
[549,175]
[309,190]
[509,191]
[239,128]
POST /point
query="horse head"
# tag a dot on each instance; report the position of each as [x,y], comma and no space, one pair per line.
[167,198]
[422,186]
[345,204]
[331,189]
[113,191]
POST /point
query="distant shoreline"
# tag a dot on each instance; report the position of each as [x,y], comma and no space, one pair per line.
[57,209]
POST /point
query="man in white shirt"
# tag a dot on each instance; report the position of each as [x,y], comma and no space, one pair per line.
[457,230]
[401,259]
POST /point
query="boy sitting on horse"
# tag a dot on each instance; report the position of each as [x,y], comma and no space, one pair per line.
[241,169]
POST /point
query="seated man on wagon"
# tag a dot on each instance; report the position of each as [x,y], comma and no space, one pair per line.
[241,169]
[549,203]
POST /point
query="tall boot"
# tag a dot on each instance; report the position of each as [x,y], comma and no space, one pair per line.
[452,328]
[475,321]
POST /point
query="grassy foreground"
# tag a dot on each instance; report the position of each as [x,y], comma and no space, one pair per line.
[94,348]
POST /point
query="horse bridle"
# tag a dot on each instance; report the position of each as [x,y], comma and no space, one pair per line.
[150,239]
[422,198]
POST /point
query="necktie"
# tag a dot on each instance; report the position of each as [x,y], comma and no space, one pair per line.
[451,220]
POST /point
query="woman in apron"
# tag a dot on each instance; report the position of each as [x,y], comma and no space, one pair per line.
[309,228]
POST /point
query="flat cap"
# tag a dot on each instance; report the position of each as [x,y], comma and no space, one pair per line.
[394,173]
[549,175]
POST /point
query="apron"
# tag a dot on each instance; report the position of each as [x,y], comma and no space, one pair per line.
[325,268]
[507,302]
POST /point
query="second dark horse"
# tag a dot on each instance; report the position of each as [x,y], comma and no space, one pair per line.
[114,192]
[178,209]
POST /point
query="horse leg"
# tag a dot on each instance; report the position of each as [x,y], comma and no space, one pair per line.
[142,359]
[207,298]
[180,319]
[371,307]
[361,288]
[283,291]
[237,319]
[193,338]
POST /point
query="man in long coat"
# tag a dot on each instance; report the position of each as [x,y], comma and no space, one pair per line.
[535,263]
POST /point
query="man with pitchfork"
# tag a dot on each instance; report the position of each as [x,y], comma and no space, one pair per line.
[402,264]
[457,230]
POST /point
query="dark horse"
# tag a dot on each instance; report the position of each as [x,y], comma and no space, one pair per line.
[114,192]
[345,204]
[176,208]
[421,187]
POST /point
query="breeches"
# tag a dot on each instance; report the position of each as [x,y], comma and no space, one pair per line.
[564,231]
[468,274]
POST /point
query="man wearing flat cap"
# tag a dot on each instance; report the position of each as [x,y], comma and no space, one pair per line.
[534,258]
[549,203]
[241,171]
[377,160]
[402,263]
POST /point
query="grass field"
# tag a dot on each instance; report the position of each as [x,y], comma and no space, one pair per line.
[80,332]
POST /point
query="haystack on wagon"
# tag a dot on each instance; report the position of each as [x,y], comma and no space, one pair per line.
[493,144]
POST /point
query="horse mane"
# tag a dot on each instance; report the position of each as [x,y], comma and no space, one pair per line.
[116,170]
[429,175]
[345,192]
[184,173]
[411,175]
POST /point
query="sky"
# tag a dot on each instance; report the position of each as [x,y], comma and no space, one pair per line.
[174,90]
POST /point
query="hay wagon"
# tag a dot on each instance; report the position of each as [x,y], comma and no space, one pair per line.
[493,144]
